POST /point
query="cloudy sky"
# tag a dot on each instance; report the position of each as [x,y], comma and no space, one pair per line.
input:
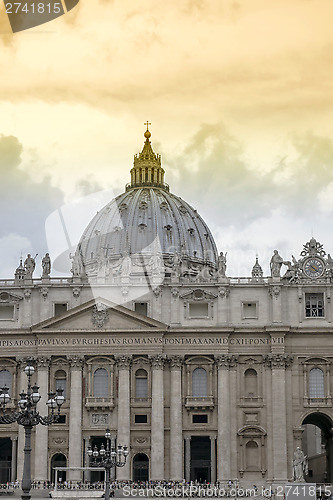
[240,97]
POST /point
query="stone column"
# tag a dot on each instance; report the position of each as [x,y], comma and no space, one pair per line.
[41,436]
[278,364]
[176,428]
[223,413]
[124,426]
[212,460]
[75,417]
[187,458]
[14,458]
[157,419]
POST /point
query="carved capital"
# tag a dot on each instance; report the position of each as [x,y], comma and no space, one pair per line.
[44,292]
[157,291]
[226,360]
[43,362]
[223,292]
[274,291]
[158,361]
[176,362]
[75,361]
[278,360]
[123,362]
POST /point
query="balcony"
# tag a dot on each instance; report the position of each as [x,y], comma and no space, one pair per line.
[197,403]
[93,403]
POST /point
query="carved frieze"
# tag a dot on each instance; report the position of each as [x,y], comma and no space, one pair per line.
[99,419]
[100,314]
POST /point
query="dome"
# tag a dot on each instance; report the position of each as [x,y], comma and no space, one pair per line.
[146,223]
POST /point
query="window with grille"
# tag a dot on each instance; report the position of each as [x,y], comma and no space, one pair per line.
[316,383]
[314,305]
[199,383]
[141,384]
[6,379]
[60,381]
[101,389]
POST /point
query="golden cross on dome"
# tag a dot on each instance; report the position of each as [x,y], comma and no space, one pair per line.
[147,123]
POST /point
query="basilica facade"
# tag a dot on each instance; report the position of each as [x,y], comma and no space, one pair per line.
[203,376]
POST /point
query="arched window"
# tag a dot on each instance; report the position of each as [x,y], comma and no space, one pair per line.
[6,380]
[250,383]
[316,383]
[141,384]
[101,389]
[60,381]
[251,455]
[199,383]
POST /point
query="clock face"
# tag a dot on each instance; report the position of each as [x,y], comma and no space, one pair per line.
[313,267]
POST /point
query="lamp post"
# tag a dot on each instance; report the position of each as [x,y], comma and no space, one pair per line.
[28,416]
[109,457]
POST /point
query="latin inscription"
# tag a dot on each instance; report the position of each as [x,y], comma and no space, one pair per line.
[140,341]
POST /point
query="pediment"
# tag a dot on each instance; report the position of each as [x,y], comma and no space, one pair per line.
[99,315]
[198,294]
[9,297]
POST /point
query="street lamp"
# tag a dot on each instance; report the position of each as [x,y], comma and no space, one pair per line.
[28,416]
[109,457]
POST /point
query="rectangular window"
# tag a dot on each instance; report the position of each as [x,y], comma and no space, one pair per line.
[140,419]
[200,419]
[6,312]
[62,419]
[250,310]
[60,309]
[198,310]
[141,308]
[314,305]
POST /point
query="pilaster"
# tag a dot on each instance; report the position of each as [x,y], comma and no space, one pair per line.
[41,436]
[176,432]
[124,428]
[75,416]
[157,418]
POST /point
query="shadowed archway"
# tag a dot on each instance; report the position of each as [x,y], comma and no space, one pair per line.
[317,444]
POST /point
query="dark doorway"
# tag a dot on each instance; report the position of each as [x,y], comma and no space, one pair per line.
[141,467]
[97,475]
[58,460]
[5,459]
[200,459]
[317,444]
